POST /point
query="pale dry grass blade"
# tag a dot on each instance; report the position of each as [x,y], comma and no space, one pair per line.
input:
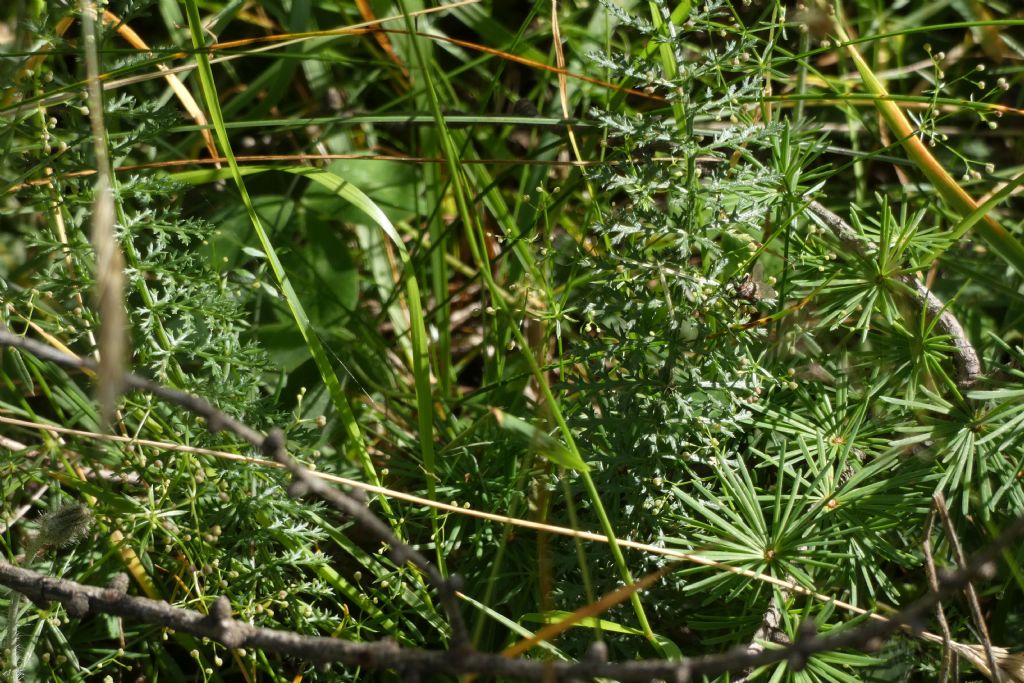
[113,329]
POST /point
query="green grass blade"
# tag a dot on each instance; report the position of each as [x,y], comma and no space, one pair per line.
[417,328]
[474,237]
[995,235]
[355,437]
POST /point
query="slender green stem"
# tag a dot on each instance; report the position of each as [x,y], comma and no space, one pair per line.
[570,442]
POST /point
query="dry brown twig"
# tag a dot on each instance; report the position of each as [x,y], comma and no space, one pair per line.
[933,584]
[972,597]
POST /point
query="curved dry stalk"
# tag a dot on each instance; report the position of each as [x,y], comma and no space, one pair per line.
[787,586]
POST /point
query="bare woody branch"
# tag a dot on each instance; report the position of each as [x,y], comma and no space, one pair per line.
[218,625]
[80,599]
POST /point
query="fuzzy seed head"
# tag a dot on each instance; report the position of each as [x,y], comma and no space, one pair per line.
[65,526]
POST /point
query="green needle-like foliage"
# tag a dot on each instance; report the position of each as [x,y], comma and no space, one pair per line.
[728,319]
